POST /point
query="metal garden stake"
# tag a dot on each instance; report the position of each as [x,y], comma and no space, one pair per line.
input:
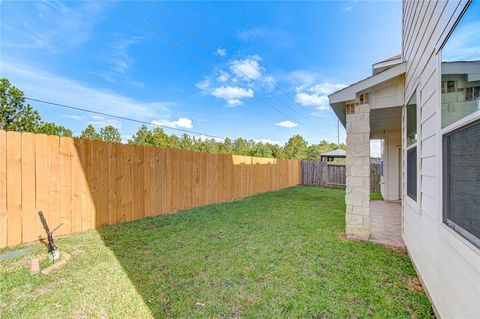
[52,249]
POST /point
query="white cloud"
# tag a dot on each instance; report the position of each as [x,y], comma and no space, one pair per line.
[204,138]
[349,6]
[288,124]
[305,77]
[327,88]
[42,84]
[118,57]
[312,99]
[204,84]
[232,95]
[223,77]
[59,26]
[278,38]
[247,73]
[182,122]
[100,121]
[247,69]
[74,117]
[119,62]
[267,141]
[221,52]
[317,95]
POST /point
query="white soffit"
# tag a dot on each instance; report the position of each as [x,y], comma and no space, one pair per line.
[350,92]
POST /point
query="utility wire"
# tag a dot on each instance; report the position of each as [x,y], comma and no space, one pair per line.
[186,5]
[205,22]
[286,68]
[209,45]
[175,42]
[76,108]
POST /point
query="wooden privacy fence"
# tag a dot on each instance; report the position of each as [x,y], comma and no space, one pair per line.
[323,173]
[328,174]
[84,184]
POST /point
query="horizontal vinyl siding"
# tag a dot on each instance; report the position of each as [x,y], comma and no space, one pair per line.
[448,265]
[439,271]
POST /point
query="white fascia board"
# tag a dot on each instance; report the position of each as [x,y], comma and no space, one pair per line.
[386,64]
[350,92]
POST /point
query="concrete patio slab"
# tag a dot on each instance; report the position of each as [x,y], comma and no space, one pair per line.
[386,223]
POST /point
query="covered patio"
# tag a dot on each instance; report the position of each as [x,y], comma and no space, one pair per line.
[386,223]
[372,109]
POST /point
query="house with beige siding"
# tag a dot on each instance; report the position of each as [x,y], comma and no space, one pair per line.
[425,106]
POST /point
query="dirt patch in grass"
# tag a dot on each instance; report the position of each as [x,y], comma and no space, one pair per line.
[396,249]
[412,283]
[342,236]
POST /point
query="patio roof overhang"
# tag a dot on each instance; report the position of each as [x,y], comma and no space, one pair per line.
[391,77]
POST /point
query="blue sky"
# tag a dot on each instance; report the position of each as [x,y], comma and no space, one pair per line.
[233,56]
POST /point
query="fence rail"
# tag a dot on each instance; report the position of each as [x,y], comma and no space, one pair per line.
[84,184]
[328,174]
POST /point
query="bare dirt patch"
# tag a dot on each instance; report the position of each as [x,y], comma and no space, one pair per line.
[412,283]
[342,236]
[396,249]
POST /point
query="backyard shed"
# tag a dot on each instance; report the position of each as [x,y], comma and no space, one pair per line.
[332,155]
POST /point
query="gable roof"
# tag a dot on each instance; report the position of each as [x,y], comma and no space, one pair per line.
[350,92]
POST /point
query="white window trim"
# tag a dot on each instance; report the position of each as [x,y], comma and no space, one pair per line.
[475,116]
[415,204]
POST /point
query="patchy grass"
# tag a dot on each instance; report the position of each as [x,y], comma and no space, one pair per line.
[272,255]
[376,196]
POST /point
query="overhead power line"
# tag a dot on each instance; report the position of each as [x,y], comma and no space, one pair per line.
[285,67]
[194,54]
[76,108]
[246,59]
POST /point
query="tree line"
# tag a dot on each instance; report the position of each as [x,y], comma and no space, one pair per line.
[16,115]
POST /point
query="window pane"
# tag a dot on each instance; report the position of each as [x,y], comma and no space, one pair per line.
[461,68]
[412,120]
[461,185]
[412,173]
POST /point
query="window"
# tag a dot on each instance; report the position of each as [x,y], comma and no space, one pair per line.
[412,173]
[461,180]
[412,120]
[450,86]
[460,97]
[411,109]
[461,69]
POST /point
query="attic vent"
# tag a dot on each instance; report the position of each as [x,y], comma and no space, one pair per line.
[350,108]
[364,98]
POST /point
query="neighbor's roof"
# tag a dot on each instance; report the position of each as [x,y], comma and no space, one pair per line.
[335,153]
[350,92]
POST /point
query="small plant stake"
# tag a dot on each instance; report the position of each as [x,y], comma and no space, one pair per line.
[52,249]
[53,252]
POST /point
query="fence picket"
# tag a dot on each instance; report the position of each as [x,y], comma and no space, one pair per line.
[3,189]
[28,187]
[325,174]
[84,184]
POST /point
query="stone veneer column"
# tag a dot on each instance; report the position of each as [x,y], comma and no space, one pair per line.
[358,172]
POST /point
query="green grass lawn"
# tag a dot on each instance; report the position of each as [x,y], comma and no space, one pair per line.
[272,255]
[376,196]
